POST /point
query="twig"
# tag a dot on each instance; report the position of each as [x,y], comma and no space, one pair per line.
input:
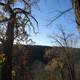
[57,17]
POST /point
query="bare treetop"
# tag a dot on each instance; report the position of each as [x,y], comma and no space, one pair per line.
[22,16]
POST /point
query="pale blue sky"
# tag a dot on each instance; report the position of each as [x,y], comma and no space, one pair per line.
[46,13]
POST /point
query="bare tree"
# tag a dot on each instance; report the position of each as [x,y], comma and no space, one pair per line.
[67,42]
[13,21]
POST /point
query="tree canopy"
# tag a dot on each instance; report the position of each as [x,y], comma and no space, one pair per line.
[22,18]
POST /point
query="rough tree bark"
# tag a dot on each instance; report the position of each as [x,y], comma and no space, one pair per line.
[7,49]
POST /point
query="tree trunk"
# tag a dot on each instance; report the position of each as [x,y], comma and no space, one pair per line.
[71,70]
[62,74]
[7,49]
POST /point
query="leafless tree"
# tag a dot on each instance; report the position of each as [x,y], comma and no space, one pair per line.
[67,42]
[13,21]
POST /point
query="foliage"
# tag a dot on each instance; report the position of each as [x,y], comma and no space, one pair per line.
[55,67]
[13,73]
[2,57]
[55,63]
[20,61]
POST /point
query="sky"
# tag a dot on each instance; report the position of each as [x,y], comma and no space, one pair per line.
[48,11]
[44,13]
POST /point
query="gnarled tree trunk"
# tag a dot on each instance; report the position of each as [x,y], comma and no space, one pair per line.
[7,49]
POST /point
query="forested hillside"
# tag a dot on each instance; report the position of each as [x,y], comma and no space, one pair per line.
[42,63]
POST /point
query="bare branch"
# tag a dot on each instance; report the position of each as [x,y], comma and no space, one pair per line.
[57,17]
[2,4]
[1,40]
[56,40]
[31,24]
[34,19]
[19,10]
[4,20]
[27,14]
[26,3]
